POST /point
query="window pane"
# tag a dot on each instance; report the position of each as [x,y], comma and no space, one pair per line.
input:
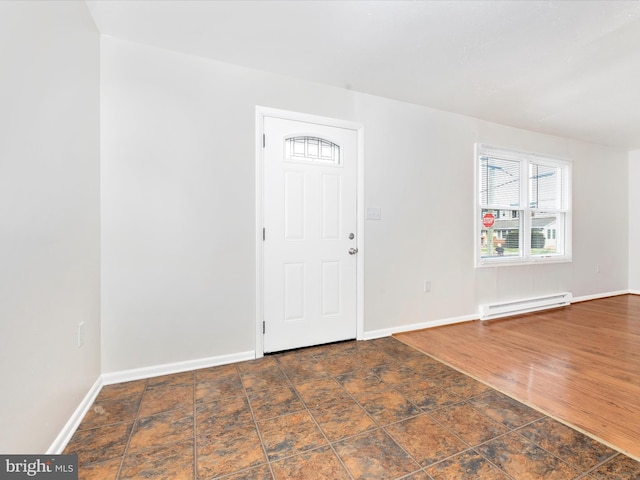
[545,186]
[327,150]
[502,239]
[298,147]
[499,181]
[547,234]
[312,149]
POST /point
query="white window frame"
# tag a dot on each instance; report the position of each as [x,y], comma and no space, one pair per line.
[525,159]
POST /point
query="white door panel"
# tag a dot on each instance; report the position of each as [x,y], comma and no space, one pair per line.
[294,207]
[293,289]
[310,224]
[331,196]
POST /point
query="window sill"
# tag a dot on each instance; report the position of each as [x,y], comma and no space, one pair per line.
[509,262]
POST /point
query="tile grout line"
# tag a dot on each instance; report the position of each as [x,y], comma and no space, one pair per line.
[571,424]
[598,465]
[195,427]
[471,448]
[581,473]
[133,428]
[255,424]
[381,426]
[428,413]
[422,411]
[511,430]
[308,410]
[516,431]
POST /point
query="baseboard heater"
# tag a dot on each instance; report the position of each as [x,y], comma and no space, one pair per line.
[516,307]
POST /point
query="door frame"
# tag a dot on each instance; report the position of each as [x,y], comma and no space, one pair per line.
[261,113]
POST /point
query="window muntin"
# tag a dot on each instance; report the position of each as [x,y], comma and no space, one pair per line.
[500,180]
[545,186]
[527,197]
[312,149]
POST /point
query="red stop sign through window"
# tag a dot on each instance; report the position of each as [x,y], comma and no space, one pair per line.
[488,220]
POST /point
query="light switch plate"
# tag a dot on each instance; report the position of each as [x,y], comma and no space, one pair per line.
[374,213]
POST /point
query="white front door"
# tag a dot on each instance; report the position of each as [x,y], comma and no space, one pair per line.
[310,237]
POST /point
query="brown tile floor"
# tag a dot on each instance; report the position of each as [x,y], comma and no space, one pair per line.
[377,409]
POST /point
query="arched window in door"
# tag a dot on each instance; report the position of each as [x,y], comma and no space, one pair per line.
[312,149]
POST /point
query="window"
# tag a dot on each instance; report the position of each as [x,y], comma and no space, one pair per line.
[312,149]
[523,207]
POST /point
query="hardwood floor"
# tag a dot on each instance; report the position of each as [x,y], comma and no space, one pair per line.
[579,364]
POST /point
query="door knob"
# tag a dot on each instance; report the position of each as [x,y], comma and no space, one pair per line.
[353,251]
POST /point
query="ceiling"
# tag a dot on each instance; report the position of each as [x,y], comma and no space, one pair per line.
[568,68]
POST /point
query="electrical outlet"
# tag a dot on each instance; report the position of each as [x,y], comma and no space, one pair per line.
[427,286]
[80,334]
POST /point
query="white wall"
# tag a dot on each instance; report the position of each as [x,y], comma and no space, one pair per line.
[49,218]
[634,221]
[178,202]
[420,170]
[601,220]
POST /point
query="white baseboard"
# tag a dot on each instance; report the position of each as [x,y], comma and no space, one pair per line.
[177,367]
[61,441]
[386,332]
[71,426]
[586,298]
